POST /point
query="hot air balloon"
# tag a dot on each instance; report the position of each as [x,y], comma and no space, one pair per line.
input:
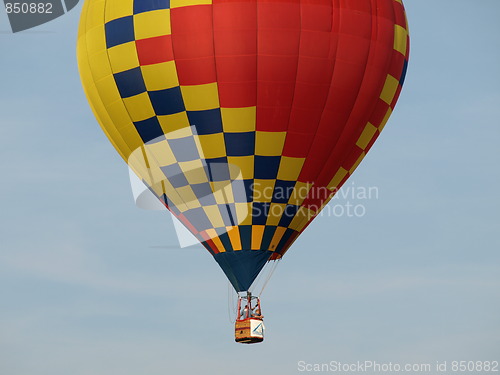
[243,117]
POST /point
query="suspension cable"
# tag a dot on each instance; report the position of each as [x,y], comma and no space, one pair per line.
[231,310]
[271,272]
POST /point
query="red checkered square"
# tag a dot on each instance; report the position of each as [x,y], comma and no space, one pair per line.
[196,71]
[237,94]
[154,50]
[297,144]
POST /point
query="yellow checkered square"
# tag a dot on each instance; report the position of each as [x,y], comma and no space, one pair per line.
[243,167]
[212,145]
[278,235]
[123,57]
[289,169]
[200,97]
[263,190]
[214,216]
[222,191]
[118,9]
[389,90]
[172,124]
[269,143]
[139,107]
[400,39]
[299,193]
[194,171]
[244,213]
[236,120]
[188,196]
[275,213]
[152,24]
[161,153]
[366,136]
[160,76]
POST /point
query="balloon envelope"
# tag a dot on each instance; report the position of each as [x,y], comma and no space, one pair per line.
[243,117]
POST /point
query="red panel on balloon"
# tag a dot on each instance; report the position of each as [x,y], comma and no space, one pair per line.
[192,38]
[235,45]
[154,50]
[237,94]
[196,71]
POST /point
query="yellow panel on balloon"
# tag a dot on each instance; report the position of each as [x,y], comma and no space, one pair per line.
[400,39]
[118,9]
[173,123]
[244,167]
[244,213]
[289,169]
[194,171]
[139,107]
[299,193]
[160,76]
[123,57]
[214,216]
[389,90]
[238,119]
[257,234]
[263,190]
[278,235]
[276,211]
[269,143]
[222,191]
[152,24]
[366,136]
[160,152]
[212,145]
[200,97]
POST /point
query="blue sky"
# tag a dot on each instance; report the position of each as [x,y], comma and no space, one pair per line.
[85,289]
